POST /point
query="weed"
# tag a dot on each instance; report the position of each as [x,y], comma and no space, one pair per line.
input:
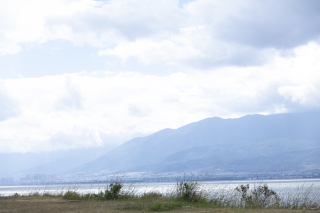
[71,195]
[16,195]
[34,194]
[188,190]
[151,196]
[259,196]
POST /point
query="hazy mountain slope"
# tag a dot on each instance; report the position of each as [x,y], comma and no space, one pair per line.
[14,162]
[243,149]
[286,161]
[129,153]
[64,163]
[216,140]
[47,162]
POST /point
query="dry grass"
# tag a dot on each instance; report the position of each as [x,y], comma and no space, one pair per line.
[41,204]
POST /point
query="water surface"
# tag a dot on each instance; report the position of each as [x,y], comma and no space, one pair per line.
[280,186]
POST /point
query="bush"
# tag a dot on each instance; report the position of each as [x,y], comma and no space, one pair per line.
[113,191]
[71,195]
[16,195]
[189,190]
[259,196]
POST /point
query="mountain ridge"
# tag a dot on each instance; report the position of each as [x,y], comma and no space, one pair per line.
[230,140]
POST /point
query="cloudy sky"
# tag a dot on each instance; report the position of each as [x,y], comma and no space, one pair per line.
[83,73]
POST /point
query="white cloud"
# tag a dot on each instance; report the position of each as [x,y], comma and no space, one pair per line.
[72,99]
[258,57]
[24,22]
[149,52]
[202,34]
[88,109]
[8,107]
[305,95]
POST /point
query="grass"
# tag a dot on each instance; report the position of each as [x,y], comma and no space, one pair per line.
[60,205]
[189,195]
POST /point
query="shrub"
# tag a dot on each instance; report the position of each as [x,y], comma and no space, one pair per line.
[113,191]
[71,195]
[16,195]
[189,190]
[259,196]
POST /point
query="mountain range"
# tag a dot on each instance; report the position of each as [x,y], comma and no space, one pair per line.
[253,143]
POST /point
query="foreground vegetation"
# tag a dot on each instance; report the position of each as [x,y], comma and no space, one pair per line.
[187,196]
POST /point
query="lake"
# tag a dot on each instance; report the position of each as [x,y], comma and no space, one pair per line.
[294,186]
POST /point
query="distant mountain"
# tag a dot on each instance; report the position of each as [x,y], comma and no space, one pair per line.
[253,143]
[55,162]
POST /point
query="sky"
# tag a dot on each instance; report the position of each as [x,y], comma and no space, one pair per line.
[85,73]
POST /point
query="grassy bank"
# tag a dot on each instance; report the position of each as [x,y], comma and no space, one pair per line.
[187,196]
[60,205]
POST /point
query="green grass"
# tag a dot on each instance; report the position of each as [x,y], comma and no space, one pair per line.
[39,204]
[160,207]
